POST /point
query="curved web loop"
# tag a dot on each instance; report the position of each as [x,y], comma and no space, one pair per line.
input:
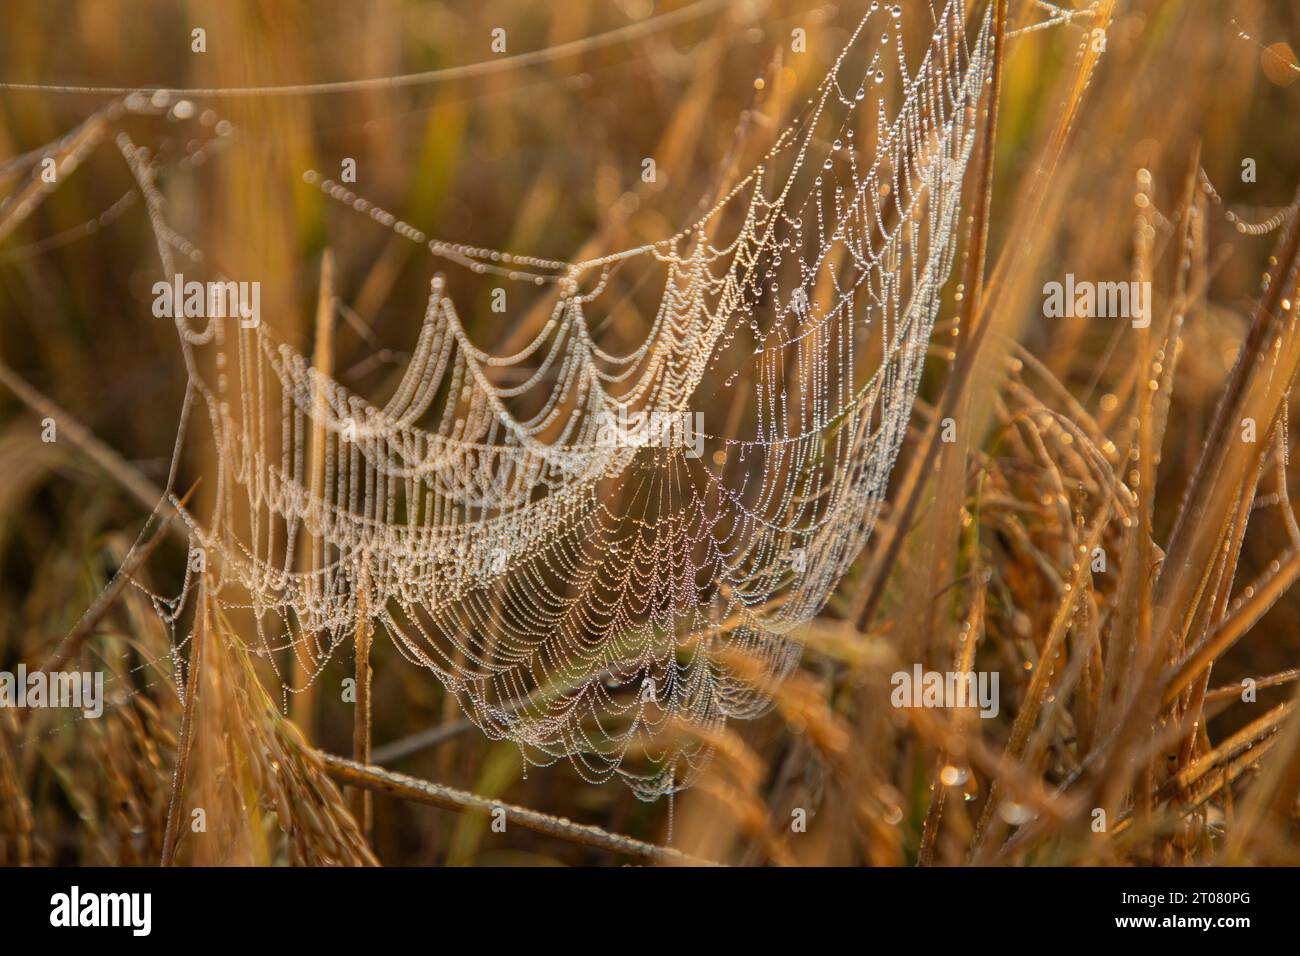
[603,556]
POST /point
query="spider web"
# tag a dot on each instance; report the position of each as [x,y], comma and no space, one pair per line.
[607,594]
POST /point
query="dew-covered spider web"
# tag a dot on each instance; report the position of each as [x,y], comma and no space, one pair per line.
[605,555]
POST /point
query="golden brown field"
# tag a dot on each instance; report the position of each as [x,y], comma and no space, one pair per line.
[538,649]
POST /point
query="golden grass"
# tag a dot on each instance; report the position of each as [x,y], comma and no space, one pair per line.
[1120,688]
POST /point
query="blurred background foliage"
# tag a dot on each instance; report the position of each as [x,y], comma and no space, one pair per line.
[545,159]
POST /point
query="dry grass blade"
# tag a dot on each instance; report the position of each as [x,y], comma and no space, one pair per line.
[70,646]
[379,780]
